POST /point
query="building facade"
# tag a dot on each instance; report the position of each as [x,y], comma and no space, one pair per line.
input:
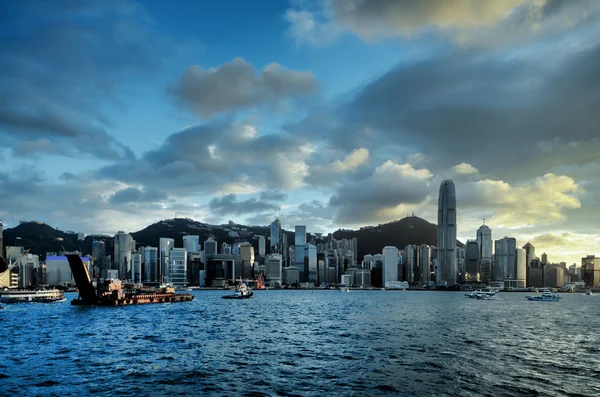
[446,238]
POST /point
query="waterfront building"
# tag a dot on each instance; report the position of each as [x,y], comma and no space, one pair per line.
[27,266]
[247,254]
[261,245]
[178,267]
[521,273]
[363,278]
[410,261]
[58,271]
[274,269]
[590,271]
[446,235]
[124,245]
[460,264]
[424,264]
[310,253]
[291,275]
[136,268]
[484,242]
[556,276]
[275,243]
[368,262]
[535,274]
[505,263]
[529,253]
[151,269]
[165,245]
[99,257]
[390,265]
[472,253]
[300,242]
[191,244]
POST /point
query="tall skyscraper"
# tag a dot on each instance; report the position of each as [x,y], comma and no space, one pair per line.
[529,253]
[390,265]
[410,264]
[123,248]
[275,243]
[506,262]
[191,244]
[300,242]
[484,241]
[424,264]
[310,252]
[446,241]
[472,261]
[99,257]
[178,267]
[151,269]
[165,245]
[521,273]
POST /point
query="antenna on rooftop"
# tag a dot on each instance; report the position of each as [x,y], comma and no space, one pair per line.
[484,220]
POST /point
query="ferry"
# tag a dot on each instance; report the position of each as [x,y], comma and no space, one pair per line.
[485,294]
[242,292]
[546,296]
[32,296]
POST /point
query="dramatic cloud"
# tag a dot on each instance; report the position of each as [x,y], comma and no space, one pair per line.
[236,85]
[228,205]
[390,191]
[59,75]
[465,169]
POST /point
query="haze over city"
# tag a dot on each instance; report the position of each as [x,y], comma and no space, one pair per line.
[115,115]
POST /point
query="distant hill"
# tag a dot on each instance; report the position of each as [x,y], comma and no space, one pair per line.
[406,231]
[41,238]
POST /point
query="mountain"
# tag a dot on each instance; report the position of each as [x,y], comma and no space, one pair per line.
[41,238]
[406,231]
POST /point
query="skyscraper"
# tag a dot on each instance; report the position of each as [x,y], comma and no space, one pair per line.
[529,253]
[151,270]
[390,265]
[123,248]
[506,262]
[275,243]
[446,241]
[300,242]
[484,241]
[164,247]
[261,246]
[99,257]
[472,260]
[424,264]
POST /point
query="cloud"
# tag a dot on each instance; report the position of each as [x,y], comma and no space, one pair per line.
[63,68]
[135,195]
[236,85]
[465,169]
[388,192]
[272,195]
[351,161]
[466,22]
[228,205]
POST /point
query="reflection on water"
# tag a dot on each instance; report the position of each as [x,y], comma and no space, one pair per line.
[306,343]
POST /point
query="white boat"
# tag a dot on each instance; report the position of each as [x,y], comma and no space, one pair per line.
[546,296]
[482,294]
[589,293]
[344,289]
[31,296]
[242,292]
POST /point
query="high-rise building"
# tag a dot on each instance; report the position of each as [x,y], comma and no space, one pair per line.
[410,264]
[210,248]
[529,253]
[136,268]
[151,268]
[505,255]
[424,264]
[275,243]
[165,245]
[446,234]
[484,241]
[556,276]
[590,271]
[261,246]
[247,254]
[299,243]
[99,257]
[191,244]
[310,253]
[472,253]
[274,269]
[178,267]
[124,246]
[521,273]
[390,265]
[544,259]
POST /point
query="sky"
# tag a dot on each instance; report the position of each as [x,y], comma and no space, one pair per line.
[330,114]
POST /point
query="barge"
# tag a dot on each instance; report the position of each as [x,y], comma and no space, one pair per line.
[113,293]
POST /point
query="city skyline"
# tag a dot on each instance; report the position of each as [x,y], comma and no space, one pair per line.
[119,115]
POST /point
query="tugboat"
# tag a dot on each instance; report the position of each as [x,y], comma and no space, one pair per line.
[546,296]
[241,292]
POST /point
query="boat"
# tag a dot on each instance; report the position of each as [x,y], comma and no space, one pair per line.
[589,293]
[114,293]
[241,292]
[482,294]
[32,296]
[344,289]
[546,296]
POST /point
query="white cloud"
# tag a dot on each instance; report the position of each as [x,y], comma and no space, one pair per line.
[465,169]
[352,161]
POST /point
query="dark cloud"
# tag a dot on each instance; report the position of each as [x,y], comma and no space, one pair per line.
[228,205]
[236,85]
[135,195]
[272,195]
[62,66]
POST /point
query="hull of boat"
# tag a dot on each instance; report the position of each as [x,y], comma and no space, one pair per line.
[248,296]
[540,299]
[142,299]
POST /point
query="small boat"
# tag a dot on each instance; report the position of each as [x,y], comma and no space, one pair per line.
[546,296]
[589,293]
[242,292]
[482,294]
[344,289]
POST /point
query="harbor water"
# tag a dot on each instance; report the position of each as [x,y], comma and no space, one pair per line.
[322,342]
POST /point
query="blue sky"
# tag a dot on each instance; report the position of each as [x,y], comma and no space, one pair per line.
[117,114]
